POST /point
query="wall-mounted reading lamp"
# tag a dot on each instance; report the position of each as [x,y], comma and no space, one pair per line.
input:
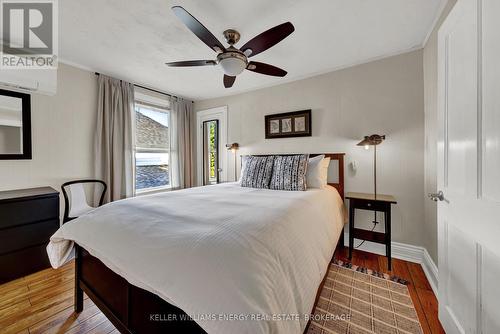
[234,147]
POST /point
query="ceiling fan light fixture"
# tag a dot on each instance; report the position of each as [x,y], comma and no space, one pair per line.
[232,63]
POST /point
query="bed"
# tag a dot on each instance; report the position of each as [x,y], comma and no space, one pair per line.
[215,259]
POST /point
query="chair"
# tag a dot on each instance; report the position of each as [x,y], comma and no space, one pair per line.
[77,204]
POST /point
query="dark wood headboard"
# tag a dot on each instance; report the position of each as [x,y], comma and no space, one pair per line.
[333,157]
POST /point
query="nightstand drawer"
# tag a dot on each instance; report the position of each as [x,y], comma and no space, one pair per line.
[369,205]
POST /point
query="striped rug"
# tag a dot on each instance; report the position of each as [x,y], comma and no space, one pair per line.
[356,302]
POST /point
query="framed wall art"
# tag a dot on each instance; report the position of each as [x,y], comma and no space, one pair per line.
[289,124]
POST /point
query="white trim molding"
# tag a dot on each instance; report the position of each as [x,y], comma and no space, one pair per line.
[435,22]
[431,271]
[406,252]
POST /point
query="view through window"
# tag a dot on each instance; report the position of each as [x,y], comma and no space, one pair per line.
[152,147]
[210,152]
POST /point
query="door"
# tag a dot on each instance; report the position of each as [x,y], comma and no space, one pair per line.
[211,152]
[469,168]
[211,138]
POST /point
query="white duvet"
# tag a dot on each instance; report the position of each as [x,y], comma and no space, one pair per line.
[220,252]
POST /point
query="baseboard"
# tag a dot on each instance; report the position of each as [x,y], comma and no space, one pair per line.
[410,253]
[431,271]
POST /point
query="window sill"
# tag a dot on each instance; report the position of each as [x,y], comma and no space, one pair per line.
[150,191]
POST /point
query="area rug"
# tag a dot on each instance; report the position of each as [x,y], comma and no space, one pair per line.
[358,301]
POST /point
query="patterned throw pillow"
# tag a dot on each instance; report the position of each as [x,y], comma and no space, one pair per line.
[257,172]
[289,172]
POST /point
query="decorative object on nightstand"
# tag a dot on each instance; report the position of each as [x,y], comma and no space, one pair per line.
[379,203]
[234,147]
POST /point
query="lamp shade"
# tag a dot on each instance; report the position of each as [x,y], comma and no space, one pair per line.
[232,66]
[233,147]
[372,140]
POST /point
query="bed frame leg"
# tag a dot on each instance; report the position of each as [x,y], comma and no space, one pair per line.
[340,244]
[78,289]
[341,239]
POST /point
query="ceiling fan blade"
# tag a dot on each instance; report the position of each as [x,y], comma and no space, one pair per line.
[192,63]
[198,29]
[228,81]
[267,69]
[267,39]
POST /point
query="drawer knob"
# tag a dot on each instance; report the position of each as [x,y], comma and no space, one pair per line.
[369,204]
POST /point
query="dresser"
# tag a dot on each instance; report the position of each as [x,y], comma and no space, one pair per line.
[28,217]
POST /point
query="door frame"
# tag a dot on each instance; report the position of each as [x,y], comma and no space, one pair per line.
[219,114]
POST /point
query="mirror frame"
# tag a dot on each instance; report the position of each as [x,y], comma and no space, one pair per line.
[26,109]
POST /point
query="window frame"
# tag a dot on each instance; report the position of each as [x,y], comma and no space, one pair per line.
[152,102]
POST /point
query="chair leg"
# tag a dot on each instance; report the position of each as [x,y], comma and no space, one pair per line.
[78,290]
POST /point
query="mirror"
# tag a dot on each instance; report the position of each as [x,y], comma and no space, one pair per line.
[15,125]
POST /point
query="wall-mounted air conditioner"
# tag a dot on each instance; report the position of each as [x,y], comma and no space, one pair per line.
[30,81]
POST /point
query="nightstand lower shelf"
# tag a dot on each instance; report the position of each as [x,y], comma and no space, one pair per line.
[372,236]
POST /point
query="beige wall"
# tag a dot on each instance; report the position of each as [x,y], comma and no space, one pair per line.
[384,96]
[430,152]
[62,133]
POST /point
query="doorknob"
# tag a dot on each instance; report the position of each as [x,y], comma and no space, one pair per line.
[219,170]
[439,196]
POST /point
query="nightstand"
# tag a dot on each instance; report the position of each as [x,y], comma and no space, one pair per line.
[380,203]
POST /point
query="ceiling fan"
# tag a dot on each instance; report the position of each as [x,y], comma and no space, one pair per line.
[232,60]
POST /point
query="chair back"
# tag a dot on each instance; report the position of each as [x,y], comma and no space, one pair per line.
[76,202]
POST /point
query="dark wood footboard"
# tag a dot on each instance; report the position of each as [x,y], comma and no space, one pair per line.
[129,308]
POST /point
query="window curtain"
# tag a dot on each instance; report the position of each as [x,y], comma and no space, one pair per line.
[114,137]
[181,152]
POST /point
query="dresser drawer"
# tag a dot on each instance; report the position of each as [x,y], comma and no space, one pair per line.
[28,211]
[23,262]
[370,205]
[24,236]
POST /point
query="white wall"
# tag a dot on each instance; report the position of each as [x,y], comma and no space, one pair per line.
[430,152]
[63,129]
[384,97]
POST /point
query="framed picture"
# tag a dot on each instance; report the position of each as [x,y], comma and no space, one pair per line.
[290,124]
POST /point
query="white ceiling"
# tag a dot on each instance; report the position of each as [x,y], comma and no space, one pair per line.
[132,40]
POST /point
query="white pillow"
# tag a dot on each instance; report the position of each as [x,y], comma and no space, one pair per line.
[317,172]
[243,166]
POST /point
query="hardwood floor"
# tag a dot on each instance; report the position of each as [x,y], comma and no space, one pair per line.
[43,302]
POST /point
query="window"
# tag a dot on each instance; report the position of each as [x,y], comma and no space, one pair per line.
[152,147]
